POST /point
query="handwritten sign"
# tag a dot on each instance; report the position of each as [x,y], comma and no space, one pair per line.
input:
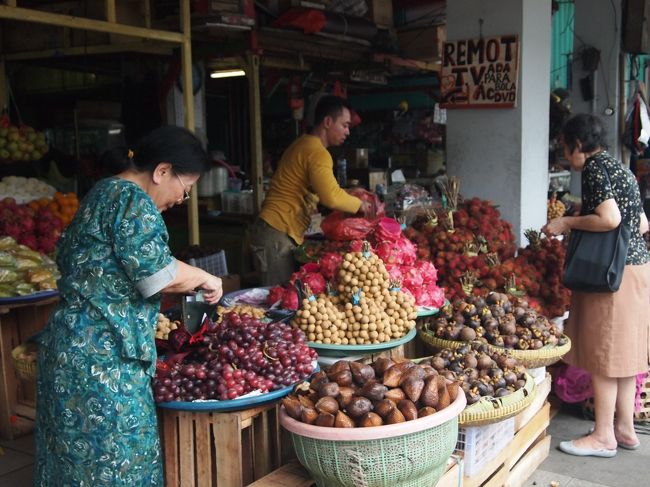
[480,73]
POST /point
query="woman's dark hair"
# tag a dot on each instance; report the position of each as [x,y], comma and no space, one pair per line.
[175,145]
[329,106]
[586,128]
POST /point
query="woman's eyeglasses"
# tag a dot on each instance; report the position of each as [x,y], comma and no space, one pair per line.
[186,193]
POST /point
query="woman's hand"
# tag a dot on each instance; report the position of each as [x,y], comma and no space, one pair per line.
[557,226]
[212,289]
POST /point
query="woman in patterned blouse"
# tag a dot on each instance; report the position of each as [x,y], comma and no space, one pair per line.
[96,419]
[609,331]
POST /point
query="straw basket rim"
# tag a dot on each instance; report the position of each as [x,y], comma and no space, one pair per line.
[492,410]
[528,358]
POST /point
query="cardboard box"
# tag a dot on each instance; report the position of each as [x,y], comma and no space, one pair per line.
[231,283]
[381,12]
[422,43]
[357,158]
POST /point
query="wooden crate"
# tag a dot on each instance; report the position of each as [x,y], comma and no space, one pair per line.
[18,322]
[205,449]
[516,462]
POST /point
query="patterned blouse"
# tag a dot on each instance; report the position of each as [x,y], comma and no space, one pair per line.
[96,418]
[622,186]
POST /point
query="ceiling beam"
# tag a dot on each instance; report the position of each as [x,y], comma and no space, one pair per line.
[61,20]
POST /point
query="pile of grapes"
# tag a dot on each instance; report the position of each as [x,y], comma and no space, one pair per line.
[239,355]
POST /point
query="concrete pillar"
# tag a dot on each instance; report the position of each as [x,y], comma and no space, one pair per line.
[597,25]
[502,154]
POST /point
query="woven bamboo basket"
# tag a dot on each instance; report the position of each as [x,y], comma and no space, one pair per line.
[528,358]
[492,410]
[25,368]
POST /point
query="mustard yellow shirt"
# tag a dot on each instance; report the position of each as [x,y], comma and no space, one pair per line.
[306,168]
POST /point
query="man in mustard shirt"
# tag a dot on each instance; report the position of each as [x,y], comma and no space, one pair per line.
[304,176]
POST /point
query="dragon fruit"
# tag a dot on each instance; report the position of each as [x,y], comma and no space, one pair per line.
[329,265]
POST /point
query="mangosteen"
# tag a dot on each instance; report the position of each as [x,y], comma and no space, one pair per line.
[520,384]
[472,398]
[528,318]
[536,344]
[470,360]
[518,312]
[498,341]
[490,323]
[469,310]
[499,382]
[467,334]
[510,377]
[484,361]
[438,363]
[523,345]
[510,341]
[501,392]
[472,374]
[497,311]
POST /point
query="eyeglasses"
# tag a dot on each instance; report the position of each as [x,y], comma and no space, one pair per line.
[186,193]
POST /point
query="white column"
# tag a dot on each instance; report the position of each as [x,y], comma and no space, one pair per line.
[502,154]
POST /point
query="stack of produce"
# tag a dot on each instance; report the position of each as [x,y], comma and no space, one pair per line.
[37,229]
[20,143]
[165,326]
[24,271]
[470,242]
[240,309]
[417,277]
[480,371]
[363,307]
[24,190]
[554,208]
[226,360]
[473,250]
[498,319]
[351,394]
[546,256]
[62,205]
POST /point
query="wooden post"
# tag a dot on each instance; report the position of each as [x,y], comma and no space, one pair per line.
[253,75]
[4,93]
[188,110]
[110,11]
[147,13]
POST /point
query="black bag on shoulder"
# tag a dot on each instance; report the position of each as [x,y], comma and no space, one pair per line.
[595,261]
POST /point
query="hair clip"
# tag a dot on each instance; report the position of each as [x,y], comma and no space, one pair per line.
[130,154]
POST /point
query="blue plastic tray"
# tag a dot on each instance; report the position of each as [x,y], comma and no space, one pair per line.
[29,298]
[230,405]
[328,350]
[233,404]
[427,311]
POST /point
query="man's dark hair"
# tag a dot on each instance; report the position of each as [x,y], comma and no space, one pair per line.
[329,106]
[586,128]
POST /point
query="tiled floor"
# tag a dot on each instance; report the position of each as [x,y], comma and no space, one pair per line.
[627,469]
[16,462]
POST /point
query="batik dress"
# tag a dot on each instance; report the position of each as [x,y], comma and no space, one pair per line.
[95,420]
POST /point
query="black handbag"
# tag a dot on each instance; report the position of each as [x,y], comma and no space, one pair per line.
[595,261]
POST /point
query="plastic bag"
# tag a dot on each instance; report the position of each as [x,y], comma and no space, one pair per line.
[7,259]
[375,207]
[337,227]
[8,275]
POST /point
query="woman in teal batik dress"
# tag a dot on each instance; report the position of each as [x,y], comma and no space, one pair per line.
[96,422]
